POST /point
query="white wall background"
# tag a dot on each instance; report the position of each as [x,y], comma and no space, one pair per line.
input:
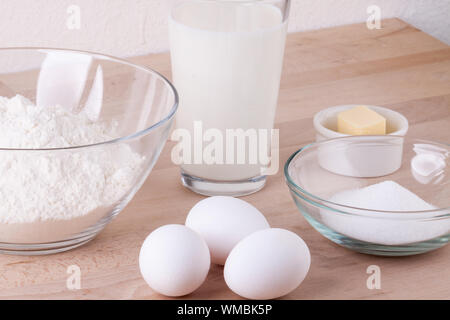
[134,27]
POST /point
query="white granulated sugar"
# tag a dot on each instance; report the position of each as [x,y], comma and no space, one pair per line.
[38,186]
[384,196]
[388,229]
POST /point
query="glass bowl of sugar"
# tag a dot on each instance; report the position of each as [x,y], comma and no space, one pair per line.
[79,134]
[380,195]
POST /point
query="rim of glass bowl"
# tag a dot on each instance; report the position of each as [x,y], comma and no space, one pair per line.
[341,208]
[129,137]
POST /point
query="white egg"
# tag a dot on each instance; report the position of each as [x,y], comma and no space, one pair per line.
[174,260]
[267,264]
[223,222]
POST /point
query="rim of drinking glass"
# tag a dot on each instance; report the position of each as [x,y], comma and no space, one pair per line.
[341,208]
[121,61]
[235,2]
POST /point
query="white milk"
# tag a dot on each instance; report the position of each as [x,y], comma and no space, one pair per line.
[226,63]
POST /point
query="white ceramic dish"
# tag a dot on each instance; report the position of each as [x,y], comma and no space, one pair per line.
[325,121]
[364,161]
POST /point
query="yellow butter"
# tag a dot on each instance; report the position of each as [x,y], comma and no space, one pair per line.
[361,121]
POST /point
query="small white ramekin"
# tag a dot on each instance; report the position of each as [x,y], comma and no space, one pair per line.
[363,161]
[325,121]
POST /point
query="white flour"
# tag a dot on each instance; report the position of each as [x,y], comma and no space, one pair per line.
[46,186]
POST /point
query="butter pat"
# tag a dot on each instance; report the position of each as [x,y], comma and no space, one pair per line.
[361,121]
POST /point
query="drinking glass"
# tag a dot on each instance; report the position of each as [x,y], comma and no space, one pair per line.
[227,59]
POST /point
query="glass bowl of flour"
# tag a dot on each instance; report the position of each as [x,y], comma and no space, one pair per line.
[404,212]
[79,134]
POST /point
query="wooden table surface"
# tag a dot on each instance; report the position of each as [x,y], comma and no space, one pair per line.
[398,66]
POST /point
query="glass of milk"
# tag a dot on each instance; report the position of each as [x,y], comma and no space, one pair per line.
[227,58]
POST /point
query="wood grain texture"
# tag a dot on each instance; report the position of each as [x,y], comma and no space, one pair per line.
[398,66]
